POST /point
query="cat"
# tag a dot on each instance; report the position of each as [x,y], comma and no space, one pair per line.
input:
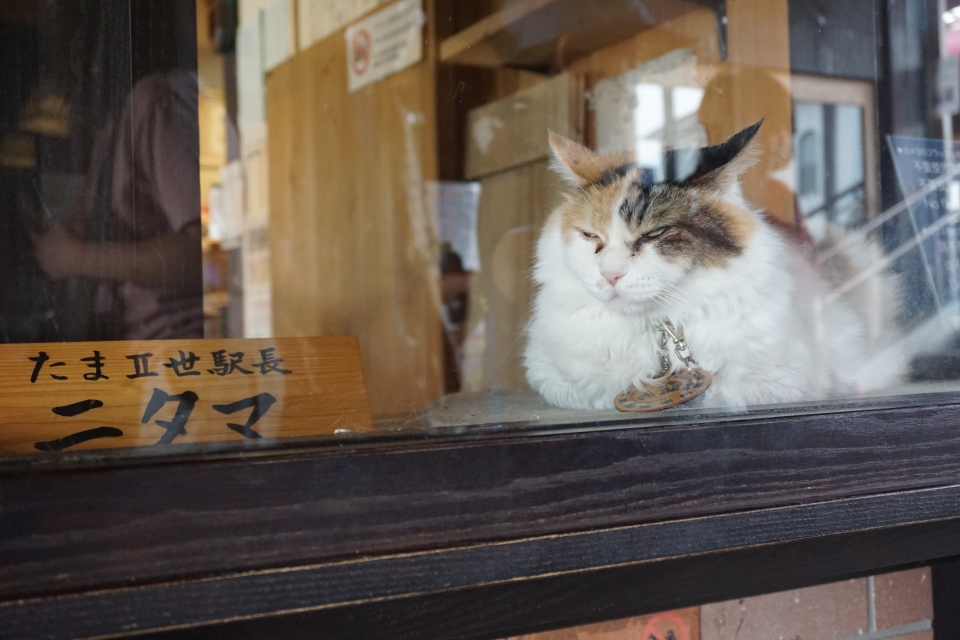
[619,256]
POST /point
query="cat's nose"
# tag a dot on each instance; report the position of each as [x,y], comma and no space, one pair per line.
[611,276]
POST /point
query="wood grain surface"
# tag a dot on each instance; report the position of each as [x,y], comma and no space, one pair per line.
[153,522]
[495,611]
[95,395]
[508,152]
[514,131]
[495,590]
[535,33]
[352,249]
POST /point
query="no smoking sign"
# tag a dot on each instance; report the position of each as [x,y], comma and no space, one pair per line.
[665,626]
[384,43]
[360,52]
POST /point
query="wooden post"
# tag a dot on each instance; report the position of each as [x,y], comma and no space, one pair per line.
[757,79]
[352,248]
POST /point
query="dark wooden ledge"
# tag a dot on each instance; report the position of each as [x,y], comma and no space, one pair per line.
[478,537]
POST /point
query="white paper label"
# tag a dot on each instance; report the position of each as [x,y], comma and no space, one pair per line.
[320,18]
[384,43]
[251,94]
[277,34]
[454,207]
[231,202]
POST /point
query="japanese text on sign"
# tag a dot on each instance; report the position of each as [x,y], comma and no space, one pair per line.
[66,396]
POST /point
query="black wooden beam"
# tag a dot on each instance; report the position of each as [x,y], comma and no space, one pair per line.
[99,528]
[177,542]
[507,588]
[946,599]
[498,611]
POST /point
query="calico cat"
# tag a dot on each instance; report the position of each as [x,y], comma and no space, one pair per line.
[619,256]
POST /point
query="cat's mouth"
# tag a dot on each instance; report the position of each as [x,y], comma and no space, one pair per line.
[624,304]
[625,299]
[629,301]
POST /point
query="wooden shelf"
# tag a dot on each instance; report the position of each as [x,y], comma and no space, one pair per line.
[535,33]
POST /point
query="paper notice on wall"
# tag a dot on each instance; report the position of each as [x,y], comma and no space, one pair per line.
[277,33]
[454,206]
[231,204]
[318,19]
[215,222]
[257,310]
[251,94]
[385,43]
[257,285]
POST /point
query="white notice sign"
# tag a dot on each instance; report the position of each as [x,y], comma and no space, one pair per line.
[317,19]
[277,34]
[384,43]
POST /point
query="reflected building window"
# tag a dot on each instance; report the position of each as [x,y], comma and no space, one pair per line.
[807,162]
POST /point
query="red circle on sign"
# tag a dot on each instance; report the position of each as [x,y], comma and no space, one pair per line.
[660,626]
[360,52]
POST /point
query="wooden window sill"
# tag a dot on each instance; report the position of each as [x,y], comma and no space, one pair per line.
[442,536]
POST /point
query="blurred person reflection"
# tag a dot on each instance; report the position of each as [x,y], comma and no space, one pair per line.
[135,236]
[737,96]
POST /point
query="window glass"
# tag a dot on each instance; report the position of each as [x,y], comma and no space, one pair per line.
[228,221]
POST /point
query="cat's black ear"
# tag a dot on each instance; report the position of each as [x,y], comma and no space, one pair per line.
[579,165]
[721,164]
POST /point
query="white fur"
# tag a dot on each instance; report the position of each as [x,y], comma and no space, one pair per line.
[762,324]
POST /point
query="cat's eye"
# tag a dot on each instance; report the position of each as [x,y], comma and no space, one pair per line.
[588,235]
[655,233]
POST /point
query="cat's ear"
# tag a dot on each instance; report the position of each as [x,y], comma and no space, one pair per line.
[579,165]
[720,166]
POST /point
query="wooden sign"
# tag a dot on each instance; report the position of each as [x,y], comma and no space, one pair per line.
[92,395]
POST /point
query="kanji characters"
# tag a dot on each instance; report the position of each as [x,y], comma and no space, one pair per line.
[141,366]
[270,362]
[225,364]
[184,365]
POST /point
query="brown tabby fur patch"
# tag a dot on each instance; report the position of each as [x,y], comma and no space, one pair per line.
[701,229]
[591,210]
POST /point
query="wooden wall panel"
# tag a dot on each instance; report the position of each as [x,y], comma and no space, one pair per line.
[513,207]
[759,33]
[352,250]
[696,31]
[514,130]
[759,58]
[752,83]
[518,192]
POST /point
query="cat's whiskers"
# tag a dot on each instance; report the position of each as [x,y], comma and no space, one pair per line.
[681,294]
[672,294]
[663,298]
[679,303]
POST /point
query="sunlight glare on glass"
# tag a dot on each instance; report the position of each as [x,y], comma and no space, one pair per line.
[686,101]
[649,118]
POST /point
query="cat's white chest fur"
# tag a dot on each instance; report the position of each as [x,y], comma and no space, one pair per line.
[763,326]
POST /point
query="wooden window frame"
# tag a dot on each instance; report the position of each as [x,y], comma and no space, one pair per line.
[846,91]
[496,530]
